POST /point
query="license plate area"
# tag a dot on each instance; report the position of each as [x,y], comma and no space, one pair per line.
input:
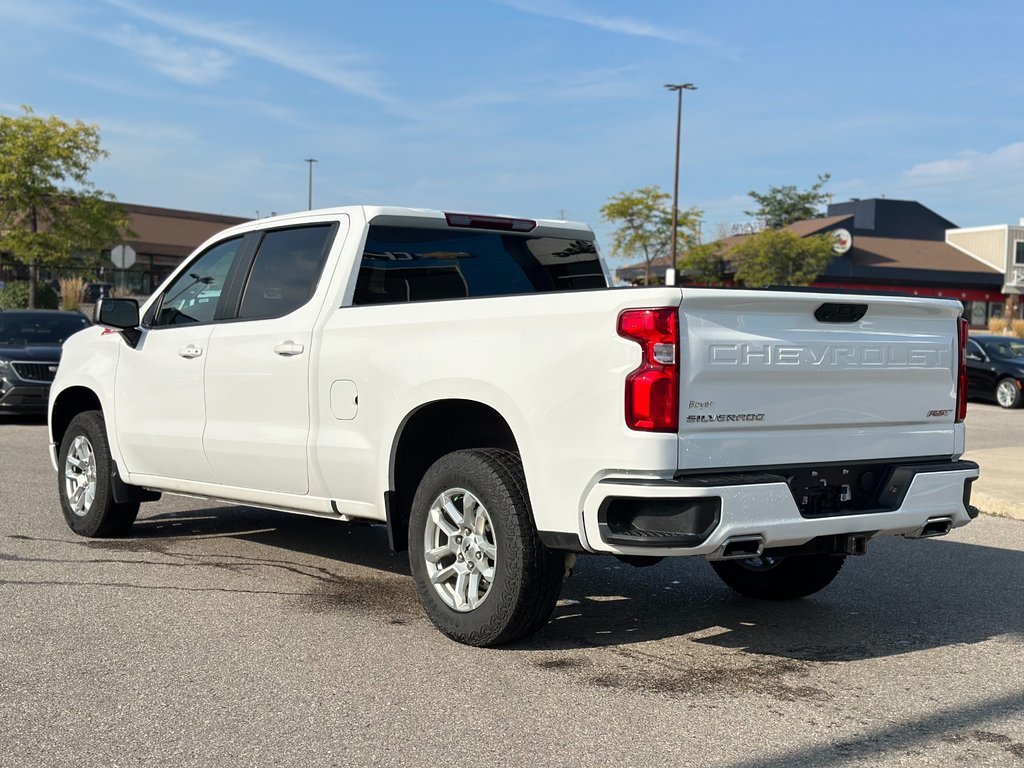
[831,490]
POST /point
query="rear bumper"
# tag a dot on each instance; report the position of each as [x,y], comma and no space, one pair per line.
[764,506]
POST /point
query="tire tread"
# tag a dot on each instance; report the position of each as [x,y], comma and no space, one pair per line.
[106,518]
[793,578]
[526,604]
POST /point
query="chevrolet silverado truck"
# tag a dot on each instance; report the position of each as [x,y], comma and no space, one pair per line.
[472,383]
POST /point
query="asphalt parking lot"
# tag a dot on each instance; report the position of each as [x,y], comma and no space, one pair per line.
[237,637]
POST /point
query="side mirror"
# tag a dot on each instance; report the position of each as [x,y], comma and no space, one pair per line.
[122,314]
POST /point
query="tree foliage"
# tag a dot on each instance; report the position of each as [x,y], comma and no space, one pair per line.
[15,296]
[704,264]
[779,257]
[644,218]
[50,212]
[780,206]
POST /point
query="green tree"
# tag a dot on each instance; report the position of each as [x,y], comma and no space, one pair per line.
[50,212]
[779,257]
[780,206]
[644,217]
[704,263]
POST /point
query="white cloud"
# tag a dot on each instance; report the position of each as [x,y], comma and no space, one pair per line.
[970,163]
[342,72]
[623,25]
[188,64]
[971,187]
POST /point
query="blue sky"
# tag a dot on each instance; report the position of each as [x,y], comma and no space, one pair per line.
[531,107]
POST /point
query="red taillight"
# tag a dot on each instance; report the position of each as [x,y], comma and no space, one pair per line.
[961,378]
[652,389]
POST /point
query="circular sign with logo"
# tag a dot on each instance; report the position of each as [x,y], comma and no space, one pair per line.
[842,241]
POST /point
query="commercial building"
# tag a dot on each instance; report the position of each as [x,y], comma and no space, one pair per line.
[1000,247]
[902,246]
[163,238]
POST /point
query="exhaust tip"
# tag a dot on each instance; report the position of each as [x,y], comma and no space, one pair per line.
[936,526]
[739,547]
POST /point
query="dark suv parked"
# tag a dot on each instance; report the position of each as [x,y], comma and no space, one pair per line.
[30,344]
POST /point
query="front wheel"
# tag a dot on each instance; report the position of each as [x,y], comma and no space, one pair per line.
[1008,393]
[482,573]
[779,577]
[86,495]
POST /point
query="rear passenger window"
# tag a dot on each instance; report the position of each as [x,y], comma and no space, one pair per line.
[285,272]
[403,264]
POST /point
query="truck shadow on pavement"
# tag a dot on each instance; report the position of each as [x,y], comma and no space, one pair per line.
[355,543]
[904,596]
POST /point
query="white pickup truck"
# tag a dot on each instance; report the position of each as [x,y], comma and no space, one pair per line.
[472,383]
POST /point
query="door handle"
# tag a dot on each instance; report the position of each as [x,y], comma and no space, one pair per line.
[190,351]
[288,349]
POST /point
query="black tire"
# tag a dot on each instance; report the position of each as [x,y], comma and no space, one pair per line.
[526,576]
[1008,394]
[780,577]
[102,517]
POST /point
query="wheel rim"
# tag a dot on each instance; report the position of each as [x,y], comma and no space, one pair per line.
[1006,393]
[761,563]
[460,549]
[80,476]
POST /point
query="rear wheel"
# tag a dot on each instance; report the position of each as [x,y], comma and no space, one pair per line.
[1008,393]
[481,571]
[86,493]
[779,577]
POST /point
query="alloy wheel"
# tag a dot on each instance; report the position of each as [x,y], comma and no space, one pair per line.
[460,549]
[80,476]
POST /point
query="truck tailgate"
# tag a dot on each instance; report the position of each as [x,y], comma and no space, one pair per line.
[765,382]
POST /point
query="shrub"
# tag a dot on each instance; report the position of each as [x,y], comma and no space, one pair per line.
[120,293]
[1018,328]
[72,291]
[15,296]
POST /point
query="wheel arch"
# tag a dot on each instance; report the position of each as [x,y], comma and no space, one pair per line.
[428,433]
[68,404]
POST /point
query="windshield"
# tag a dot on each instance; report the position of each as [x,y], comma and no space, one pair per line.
[32,329]
[1005,348]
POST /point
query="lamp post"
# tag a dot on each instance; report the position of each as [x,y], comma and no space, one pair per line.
[310,160]
[678,88]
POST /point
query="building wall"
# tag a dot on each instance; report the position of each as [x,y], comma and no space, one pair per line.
[987,244]
[1015,275]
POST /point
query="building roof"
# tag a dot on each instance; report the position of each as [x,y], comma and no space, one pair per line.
[885,217]
[903,260]
[893,240]
[816,226]
[172,232]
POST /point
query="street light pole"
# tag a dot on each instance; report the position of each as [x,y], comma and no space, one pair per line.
[310,160]
[678,88]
